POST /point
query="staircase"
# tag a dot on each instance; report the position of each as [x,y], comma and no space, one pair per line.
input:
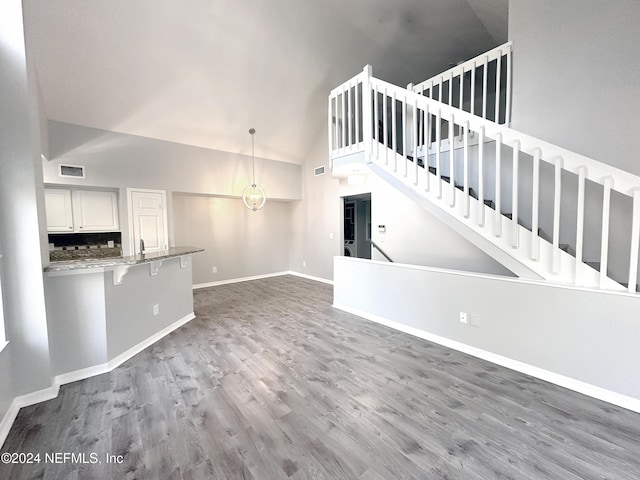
[528,203]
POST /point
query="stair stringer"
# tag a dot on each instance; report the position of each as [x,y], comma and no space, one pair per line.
[495,235]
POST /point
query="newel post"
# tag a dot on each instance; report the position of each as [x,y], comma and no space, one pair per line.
[367,112]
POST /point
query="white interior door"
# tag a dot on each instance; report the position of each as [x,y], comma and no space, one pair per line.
[149,219]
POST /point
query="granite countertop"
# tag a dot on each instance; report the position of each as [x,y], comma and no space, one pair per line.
[121,261]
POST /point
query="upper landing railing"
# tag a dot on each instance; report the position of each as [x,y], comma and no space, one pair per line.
[480,86]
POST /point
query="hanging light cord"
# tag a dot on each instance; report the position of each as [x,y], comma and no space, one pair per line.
[252,131]
[253,196]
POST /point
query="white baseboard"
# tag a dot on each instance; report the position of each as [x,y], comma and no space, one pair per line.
[238,280]
[133,351]
[24,401]
[624,401]
[7,420]
[259,277]
[115,362]
[310,277]
[82,374]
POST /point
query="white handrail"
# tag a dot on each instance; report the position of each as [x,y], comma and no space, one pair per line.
[624,182]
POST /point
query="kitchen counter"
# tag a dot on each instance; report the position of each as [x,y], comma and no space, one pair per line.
[65,266]
[101,312]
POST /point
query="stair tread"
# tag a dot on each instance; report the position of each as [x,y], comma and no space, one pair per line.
[594,265]
[565,247]
[626,285]
[542,234]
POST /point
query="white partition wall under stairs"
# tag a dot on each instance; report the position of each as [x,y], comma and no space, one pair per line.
[504,190]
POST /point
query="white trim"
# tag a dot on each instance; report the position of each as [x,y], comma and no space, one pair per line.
[624,401]
[489,276]
[21,402]
[133,351]
[7,420]
[84,373]
[81,374]
[3,332]
[310,277]
[37,396]
[115,362]
[238,280]
[259,277]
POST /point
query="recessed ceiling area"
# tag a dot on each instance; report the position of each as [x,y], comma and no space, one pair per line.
[201,72]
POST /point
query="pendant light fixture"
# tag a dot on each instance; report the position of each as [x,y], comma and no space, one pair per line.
[253,196]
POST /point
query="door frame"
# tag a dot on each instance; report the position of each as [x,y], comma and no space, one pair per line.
[163,193]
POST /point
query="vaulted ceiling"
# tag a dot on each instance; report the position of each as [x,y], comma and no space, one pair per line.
[201,72]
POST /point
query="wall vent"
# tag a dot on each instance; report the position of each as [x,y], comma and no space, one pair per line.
[75,171]
[318,171]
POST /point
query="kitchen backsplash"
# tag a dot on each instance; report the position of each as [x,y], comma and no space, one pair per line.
[79,246]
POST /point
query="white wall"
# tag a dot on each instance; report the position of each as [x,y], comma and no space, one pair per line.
[237,241]
[129,306]
[589,338]
[416,237]
[24,363]
[413,235]
[318,217]
[116,160]
[76,316]
[576,75]
[575,83]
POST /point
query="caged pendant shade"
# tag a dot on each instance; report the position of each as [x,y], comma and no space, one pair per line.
[253,196]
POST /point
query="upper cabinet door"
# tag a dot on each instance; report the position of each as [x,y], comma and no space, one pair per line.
[59,210]
[95,211]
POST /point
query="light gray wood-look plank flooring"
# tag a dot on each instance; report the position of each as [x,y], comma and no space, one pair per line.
[270,382]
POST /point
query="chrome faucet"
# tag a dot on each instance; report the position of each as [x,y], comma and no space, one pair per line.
[141,247]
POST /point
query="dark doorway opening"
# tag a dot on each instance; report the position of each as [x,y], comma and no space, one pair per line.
[357,226]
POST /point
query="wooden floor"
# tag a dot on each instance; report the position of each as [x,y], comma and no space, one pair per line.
[269,382]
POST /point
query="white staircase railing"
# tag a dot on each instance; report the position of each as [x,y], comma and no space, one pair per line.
[480,86]
[472,169]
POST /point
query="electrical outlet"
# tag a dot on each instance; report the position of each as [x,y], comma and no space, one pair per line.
[304,263]
[464,317]
[474,320]
[156,309]
[214,269]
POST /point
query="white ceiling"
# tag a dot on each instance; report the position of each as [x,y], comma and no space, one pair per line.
[201,72]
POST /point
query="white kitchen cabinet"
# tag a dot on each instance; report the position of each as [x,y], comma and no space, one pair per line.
[59,210]
[81,210]
[95,211]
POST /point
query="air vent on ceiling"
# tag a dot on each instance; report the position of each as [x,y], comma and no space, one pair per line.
[74,171]
[318,171]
